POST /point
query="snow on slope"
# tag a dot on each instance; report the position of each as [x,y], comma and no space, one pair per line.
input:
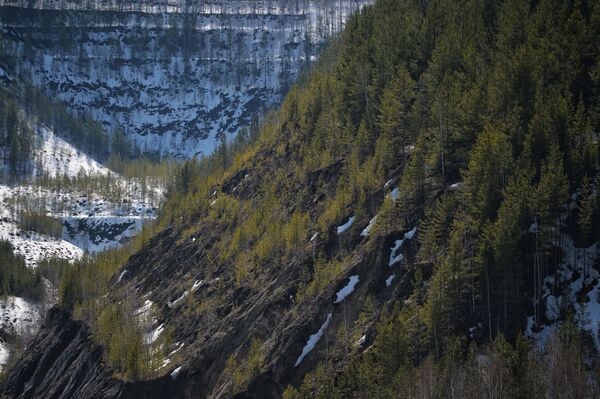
[347,289]
[55,157]
[344,227]
[91,222]
[313,340]
[174,83]
[32,246]
[576,280]
[365,232]
[223,7]
[98,233]
[19,318]
[570,280]
[4,354]
[35,247]
[22,315]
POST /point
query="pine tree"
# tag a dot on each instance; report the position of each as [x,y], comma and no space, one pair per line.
[436,226]
[586,206]
[508,272]
[255,360]
[393,119]
[487,175]
[69,290]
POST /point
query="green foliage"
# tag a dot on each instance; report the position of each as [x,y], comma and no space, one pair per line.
[295,231]
[394,111]
[15,134]
[16,278]
[54,269]
[70,290]
[40,222]
[416,182]
[240,371]
[507,270]
[449,303]
[501,96]
[82,289]
[123,339]
[325,271]
[487,174]
[589,211]
[435,228]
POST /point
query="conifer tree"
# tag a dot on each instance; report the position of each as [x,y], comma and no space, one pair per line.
[394,110]
[487,175]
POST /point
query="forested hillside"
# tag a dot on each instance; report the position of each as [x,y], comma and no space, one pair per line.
[420,218]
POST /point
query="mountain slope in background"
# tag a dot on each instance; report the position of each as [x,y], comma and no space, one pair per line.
[174,80]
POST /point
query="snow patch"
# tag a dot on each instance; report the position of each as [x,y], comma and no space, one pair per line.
[388,281]
[153,335]
[394,257]
[175,373]
[178,300]
[570,279]
[361,341]
[313,340]
[144,309]
[197,285]
[343,228]
[540,337]
[18,317]
[552,308]
[123,273]
[4,355]
[367,229]
[394,194]
[411,234]
[178,345]
[348,289]
[164,363]
[4,74]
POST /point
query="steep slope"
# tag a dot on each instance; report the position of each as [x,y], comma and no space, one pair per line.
[56,202]
[55,157]
[218,317]
[78,370]
[174,79]
[389,234]
[20,318]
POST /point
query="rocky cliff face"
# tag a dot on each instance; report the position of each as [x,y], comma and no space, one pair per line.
[174,76]
[212,317]
[64,362]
